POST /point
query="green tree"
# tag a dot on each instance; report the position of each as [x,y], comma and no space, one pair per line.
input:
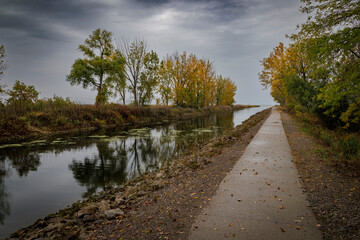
[117,79]
[3,66]
[334,31]
[22,96]
[101,66]
[148,78]
[166,80]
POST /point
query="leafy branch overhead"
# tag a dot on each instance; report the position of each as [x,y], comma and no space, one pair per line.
[320,70]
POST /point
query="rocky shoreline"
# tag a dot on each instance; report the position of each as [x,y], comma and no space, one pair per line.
[85,219]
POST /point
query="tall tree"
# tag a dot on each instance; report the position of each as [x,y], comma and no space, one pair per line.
[166,80]
[148,78]
[98,67]
[273,68]
[137,56]
[334,28]
[118,79]
[3,66]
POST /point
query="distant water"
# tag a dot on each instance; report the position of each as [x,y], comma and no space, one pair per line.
[47,175]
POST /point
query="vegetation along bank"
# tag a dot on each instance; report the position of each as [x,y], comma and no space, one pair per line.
[71,117]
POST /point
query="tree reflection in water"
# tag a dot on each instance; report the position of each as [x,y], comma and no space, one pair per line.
[104,170]
[22,162]
[4,203]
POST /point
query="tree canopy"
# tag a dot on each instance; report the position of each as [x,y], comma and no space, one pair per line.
[101,66]
[188,81]
[320,70]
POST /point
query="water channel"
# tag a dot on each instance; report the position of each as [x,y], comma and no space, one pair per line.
[43,176]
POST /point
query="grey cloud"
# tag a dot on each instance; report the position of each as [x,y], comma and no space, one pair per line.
[41,36]
[35,18]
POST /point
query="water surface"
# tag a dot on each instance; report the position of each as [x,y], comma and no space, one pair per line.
[43,176]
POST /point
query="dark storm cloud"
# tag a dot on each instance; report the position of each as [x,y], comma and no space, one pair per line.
[36,18]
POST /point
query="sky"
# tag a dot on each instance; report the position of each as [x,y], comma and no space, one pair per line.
[41,37]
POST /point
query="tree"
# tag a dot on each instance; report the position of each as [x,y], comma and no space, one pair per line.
[192,82]
[22,94]
[224,91]
[166,80]
[271,75]
[320,70]
[118,79]
[140,67]
[334,28]
[100,67]
[148,78]
[3,66]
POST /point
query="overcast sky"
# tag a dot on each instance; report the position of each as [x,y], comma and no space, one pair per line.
[41,37]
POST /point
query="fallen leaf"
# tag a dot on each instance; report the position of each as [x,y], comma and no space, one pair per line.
[281,207]
[298,227]
[283,229]
[230,224]
[216,229]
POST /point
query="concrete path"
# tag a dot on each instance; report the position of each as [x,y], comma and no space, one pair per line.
[262,197]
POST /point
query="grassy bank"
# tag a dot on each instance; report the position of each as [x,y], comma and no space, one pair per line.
[20,124]
[338,142]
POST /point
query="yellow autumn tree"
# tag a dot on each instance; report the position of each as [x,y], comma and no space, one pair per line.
[193,82]
[271,75]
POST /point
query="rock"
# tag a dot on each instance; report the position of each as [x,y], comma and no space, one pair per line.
[160,175]
[100,215]
[140,193]
[119,200]
[157,184]
[56,220]
[83,234]
[40,223]
[103,205]
[87,218]
[111,213]
[52,227]
[89,209]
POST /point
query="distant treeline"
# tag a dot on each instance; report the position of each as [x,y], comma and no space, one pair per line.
[319,72]
[129,71]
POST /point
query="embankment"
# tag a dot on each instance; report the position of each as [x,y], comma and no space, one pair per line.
[82,118]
